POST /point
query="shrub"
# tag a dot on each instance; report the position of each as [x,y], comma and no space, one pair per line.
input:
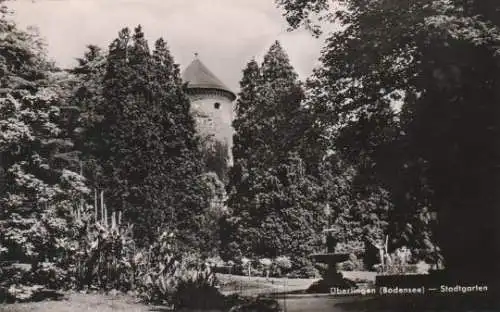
[38,252]
[21,282]
[422,267]
[302,267]
[283,262]
[247,265]
[400,269]
[399,263]
[307,271]
[265,265]
[352,264]
[106,258]
[351,247]
[282,265]
[238,269]
[173,278]
[321,268]
[216,262]
[22,293]
[266,262]
[257,271]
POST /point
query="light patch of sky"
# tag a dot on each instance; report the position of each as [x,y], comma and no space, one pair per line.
[225,33]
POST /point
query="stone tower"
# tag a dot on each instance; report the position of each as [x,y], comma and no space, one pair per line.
[211,103]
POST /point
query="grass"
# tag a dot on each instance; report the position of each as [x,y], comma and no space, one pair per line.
[243,285]
[255,285]
[77,302]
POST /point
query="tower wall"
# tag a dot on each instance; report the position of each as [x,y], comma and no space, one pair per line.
[213,111]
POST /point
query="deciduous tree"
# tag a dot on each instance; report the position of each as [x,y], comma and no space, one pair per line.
[439,60]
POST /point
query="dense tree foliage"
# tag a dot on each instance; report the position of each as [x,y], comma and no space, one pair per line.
[122,119]
[357,211]
[285,177]
[39,180]
[139,136]
[437,61]
[274,199]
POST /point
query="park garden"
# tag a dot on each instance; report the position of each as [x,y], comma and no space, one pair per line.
[104,187]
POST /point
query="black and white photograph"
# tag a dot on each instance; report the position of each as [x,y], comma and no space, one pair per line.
[249,155]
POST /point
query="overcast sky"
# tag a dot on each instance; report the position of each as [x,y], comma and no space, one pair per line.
[225,33]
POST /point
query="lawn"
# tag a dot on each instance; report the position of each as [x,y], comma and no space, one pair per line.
[255,285]
[76,302]
[250,286]
[243,285]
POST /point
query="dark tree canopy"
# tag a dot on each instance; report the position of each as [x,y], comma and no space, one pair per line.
[274,199]
[438,62]
[139,137]
[39,180]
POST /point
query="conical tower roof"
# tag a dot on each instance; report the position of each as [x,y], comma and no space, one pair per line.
[198,76]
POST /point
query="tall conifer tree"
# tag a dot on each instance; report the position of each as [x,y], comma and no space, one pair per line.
[273,198]
[244,108]
[182,166]
[147,143]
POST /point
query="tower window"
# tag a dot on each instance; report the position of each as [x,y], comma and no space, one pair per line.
[216,105]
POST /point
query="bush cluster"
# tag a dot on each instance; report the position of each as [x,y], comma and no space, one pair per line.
[100,257]
[352,264]
[265,267]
